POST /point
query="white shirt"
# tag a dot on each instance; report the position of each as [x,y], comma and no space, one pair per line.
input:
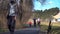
[12,11]
[38,19]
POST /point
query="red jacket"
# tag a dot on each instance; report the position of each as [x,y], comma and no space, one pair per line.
[30,23]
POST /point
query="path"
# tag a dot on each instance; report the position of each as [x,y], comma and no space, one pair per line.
[27,31]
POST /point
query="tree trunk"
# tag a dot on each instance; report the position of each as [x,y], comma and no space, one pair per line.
[24,13]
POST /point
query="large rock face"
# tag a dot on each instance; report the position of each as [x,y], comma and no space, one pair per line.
[25,9]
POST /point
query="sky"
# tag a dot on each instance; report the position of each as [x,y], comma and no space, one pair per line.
[47,5]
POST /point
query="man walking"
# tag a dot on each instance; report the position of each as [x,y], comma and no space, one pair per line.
[34,20]
[38,21]
[11,16]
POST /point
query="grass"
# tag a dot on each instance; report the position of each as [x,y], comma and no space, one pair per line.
[3,30]
[55,27]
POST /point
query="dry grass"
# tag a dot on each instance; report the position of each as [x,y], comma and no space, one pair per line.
[55,27]
[53,24]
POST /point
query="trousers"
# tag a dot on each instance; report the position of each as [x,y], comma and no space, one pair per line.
[11,23]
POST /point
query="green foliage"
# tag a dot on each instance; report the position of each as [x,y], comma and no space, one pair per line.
[46,13]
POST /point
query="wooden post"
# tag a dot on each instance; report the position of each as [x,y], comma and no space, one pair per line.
[49,28]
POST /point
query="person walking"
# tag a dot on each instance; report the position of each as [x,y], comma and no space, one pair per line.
[30,24]
[38,21]
[34,20]
[11,16]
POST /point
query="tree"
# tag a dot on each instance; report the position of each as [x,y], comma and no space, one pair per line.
[25,10]
[47,13]
[26,7]
[38,13]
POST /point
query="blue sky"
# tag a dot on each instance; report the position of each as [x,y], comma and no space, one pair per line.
[48,4]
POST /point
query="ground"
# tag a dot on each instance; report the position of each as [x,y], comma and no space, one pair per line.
[27,31]
[44,26]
